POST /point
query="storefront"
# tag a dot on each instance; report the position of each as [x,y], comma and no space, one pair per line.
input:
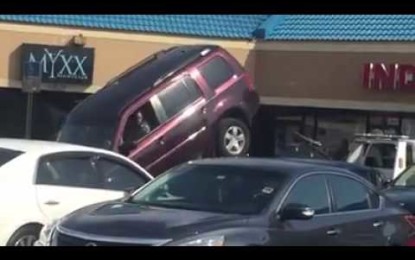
[325,90]
[332,94]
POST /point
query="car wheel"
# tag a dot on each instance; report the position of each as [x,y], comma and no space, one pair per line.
[25,236]
[234,138]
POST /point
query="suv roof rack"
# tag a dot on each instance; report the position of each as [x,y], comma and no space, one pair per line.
[189,61]
[381,136]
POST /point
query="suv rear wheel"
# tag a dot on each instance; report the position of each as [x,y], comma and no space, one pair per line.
[234,138]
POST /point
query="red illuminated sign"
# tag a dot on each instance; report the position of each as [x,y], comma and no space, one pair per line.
[382,76]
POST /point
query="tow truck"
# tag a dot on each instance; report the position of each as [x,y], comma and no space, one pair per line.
[389,154]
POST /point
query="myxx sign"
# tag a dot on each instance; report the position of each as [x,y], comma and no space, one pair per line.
[61,64]
[393,76]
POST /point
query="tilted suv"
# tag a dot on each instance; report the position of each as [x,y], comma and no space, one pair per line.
[179,104]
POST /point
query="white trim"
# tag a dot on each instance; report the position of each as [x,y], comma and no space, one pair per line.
[339,104]
[123,35]
[337,46]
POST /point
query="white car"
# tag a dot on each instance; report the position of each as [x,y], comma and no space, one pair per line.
[389,154]
[42,181]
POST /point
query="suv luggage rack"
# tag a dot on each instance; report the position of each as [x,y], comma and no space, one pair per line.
[381,136]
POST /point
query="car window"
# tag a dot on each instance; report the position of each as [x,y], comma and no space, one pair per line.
[351,195]
[381,155]
[406,178]
[216,72]
[312,192]
[6,155]
[72,172]
[213,188]
[409,155]
[139,124]
[178,96]
[118,176]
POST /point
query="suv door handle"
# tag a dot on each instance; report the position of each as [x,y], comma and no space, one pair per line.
[161,141]
[378,224]
[333,232]
[204,110]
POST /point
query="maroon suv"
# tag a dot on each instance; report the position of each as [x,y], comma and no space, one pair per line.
[179,104]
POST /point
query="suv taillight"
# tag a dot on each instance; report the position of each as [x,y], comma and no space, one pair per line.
[411,220]
[411,242]
[249,82]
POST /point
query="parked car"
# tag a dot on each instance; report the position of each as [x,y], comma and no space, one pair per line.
[179,104]
[370,174]
[242,202]
[42,181]
[402,190]
[390,154]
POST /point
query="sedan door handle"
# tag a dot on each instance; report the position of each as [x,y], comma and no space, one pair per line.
[333,232]
[51,203]
[377,224]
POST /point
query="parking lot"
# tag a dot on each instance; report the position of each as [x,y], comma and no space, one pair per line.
[200,142]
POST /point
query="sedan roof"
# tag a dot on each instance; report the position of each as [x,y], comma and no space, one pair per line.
[42,147]
[277,165]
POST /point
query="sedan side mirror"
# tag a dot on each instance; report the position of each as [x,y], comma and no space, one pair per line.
[296,212]
[387,183]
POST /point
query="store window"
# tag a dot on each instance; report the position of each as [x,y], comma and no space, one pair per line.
[337,132]
[50,109]
[12,113]
[48,112]
[408,127]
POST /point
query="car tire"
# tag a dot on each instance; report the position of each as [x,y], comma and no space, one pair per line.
[25,236]
[233,139]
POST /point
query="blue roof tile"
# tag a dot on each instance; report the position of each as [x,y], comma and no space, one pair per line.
[267,27]
[223,26]
[341,28]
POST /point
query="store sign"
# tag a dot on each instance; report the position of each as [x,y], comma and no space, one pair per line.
[60,64]
[394,76]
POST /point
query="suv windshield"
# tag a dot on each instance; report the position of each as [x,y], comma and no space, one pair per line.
[6,155]
[225,189]
[99,136]
[407,178]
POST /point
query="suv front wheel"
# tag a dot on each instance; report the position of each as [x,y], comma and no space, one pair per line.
[234,138]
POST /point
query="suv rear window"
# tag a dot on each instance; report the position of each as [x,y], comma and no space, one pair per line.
[216,72]
[6,155]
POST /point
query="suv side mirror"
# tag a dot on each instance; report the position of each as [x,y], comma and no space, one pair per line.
[126,148]
[296,212]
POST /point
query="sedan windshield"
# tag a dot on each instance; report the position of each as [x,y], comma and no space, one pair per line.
[6,155]
[225,189]
[407,178]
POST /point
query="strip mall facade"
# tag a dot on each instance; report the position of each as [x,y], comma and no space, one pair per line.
[325,90]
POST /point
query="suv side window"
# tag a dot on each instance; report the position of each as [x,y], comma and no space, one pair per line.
[351,195]
[310,191]
[139,124]
[118,176]
[178,96]
[216,72]
[71,172]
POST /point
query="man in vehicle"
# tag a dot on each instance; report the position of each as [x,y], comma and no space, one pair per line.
[137,127]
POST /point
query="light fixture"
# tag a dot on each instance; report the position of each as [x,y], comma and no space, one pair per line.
[79,40]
